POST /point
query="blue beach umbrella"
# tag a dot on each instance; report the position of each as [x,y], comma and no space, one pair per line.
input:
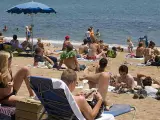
[31,8]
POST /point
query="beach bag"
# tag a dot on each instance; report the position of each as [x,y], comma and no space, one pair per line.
[111,54]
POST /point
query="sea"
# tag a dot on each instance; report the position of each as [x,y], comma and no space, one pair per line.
[116,19]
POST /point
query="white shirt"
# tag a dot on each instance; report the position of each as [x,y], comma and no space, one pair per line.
[87,34]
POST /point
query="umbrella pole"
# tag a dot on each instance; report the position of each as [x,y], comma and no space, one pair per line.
[32,31]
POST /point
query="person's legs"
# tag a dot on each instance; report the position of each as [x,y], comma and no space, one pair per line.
[54,59]
[11,101]
[22,75]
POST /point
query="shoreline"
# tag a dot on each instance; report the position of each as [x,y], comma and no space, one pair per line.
[58,43]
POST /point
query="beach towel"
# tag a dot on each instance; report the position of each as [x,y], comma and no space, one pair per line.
[7,113]
[58,100]
[118,109]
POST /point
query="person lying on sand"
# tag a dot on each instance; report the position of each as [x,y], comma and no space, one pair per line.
[94,51]
[68,57]
[69,77]
[40,57]
[125,80]
[140,50]
[147,88]
[141,77]
[9,84]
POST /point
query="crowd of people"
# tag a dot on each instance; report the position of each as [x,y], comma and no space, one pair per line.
[92,49]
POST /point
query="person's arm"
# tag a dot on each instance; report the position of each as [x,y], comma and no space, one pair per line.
[86,109]
[48,59]
[131,83]
[76,63]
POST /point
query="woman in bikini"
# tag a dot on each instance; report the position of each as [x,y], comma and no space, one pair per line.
[9,85]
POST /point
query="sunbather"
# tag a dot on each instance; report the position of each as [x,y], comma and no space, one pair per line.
[70,78]
[149,52]
[140,50]
[83,49]
[94,51]
[10,85]
[125,80]
[68,57]
[40,57]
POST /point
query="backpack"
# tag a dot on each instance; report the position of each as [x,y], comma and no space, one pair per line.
[111,54]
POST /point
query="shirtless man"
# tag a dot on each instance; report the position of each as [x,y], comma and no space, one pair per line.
[94,51]
[83,49]
[149,52]
[139,50]
[69,58]
[124,79]
[70,78]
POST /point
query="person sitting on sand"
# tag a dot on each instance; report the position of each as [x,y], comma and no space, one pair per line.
[149,52]
[9,84]
[125,80]
[40,57]
[94,51]
[130,45]
[83,49]
[69,77]
[66,42]
[68,57]
[1,38]
[140,50]
[40,44]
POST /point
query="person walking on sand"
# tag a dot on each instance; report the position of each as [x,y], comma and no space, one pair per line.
[130,45]
[28,32]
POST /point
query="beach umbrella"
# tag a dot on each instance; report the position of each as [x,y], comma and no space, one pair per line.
[31,8]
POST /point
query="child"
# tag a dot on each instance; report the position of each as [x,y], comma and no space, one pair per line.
[130,45]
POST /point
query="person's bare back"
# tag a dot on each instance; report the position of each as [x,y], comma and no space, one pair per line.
[139,52]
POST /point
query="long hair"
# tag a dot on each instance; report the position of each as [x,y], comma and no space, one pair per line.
[4,71]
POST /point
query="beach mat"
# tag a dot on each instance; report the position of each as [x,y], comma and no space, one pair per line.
[118,109]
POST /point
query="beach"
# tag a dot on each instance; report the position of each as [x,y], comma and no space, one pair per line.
[146,109]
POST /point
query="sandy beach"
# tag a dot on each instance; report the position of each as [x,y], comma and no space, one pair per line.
[146,109]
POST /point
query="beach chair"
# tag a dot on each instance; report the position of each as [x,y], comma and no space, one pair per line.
[58,100]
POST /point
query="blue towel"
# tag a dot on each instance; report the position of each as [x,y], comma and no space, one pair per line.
[118,109]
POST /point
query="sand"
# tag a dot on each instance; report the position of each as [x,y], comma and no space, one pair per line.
[146,109]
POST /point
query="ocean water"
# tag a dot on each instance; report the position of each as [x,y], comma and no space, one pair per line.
[116,19]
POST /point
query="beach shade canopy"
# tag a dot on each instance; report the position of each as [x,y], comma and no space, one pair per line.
[31,7]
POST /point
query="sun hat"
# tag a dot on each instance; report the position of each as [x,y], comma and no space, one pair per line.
[67,37]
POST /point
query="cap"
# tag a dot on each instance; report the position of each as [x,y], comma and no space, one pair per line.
[67,37]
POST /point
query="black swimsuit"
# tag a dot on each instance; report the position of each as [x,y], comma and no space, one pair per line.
[2,85]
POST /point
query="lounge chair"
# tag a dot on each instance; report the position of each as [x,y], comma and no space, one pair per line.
[59,103]
[58,100]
